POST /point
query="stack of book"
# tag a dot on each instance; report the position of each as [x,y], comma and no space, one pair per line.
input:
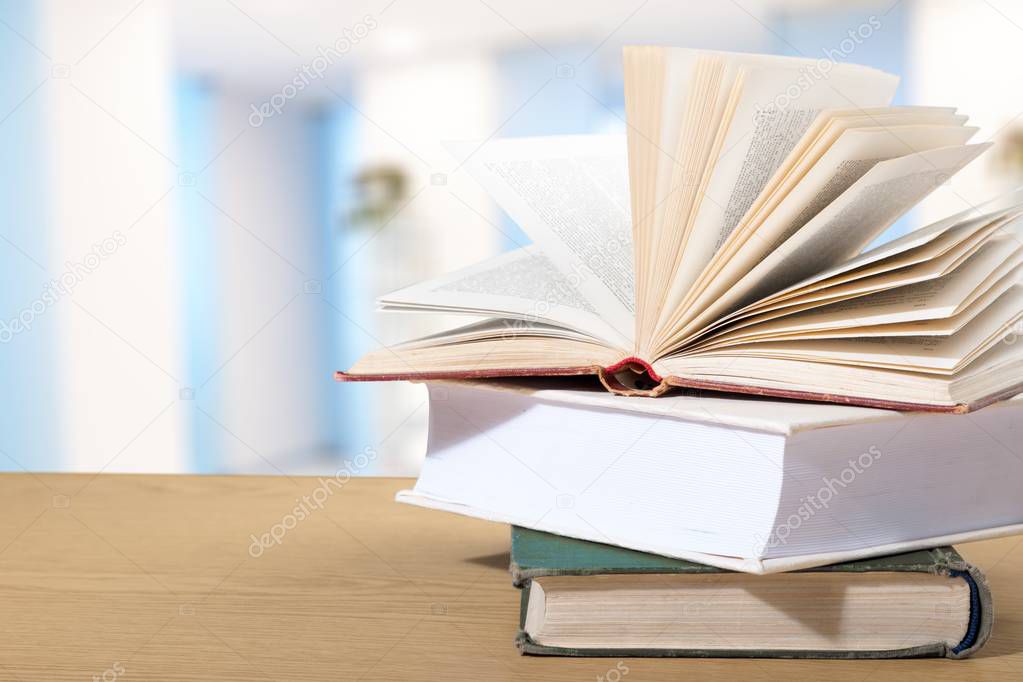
[793,424]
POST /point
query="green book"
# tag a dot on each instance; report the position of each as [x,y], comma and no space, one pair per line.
[583,598]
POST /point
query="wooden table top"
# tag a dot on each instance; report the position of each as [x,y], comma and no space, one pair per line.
[158,578]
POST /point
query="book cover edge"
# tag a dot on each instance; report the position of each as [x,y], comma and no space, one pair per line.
[610,377]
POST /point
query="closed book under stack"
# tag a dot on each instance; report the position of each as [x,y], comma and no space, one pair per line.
[588,599]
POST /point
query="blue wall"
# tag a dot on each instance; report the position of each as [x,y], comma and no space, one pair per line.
[349,407]
[196,110]
[29,411]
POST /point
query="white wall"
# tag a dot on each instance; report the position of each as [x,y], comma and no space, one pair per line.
[408,112]
[965,54]
[113,173]
[270,317]
[117,172]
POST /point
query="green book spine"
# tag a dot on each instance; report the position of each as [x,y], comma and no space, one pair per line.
[535,554]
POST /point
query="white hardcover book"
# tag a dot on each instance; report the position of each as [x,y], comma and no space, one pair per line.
[745,484]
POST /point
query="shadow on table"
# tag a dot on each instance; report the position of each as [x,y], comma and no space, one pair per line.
[500,561]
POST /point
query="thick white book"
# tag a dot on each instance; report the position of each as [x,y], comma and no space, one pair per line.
[745,484]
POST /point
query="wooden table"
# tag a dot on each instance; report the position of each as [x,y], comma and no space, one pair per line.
[158,578]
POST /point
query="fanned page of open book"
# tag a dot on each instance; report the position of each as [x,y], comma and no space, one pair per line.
[570,195]
[752,136]
[720,242]
[566,300]
[845,224]
[524,287]
[917,257]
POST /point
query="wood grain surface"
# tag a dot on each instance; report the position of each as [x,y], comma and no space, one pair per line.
[116,577]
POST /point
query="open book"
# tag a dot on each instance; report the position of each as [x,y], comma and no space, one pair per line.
[720,246]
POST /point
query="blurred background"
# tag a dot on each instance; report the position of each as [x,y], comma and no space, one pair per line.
[201,200]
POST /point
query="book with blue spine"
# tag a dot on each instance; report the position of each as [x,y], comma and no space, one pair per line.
[583,598]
